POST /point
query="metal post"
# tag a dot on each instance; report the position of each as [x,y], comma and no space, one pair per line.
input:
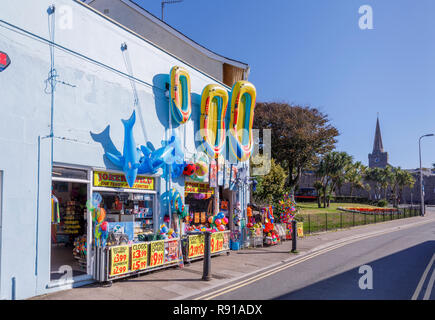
[421,174]
[341,220]
[309,224]
[375,216]
[206,274]
[365,218]
[294,235]
[326,221]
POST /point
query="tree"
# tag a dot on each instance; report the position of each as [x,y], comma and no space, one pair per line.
[386,179]
[318,186]
[374,175]
[355,176]
[344,165]
[401,179]
[330,167]
[270,187]
[300,135]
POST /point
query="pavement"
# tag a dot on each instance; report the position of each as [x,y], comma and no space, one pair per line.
[186,282]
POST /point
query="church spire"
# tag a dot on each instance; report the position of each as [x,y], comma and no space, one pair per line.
[377,145]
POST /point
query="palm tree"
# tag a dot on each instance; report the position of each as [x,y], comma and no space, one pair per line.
[386,179]
[331,169]
[355,176]
[374,175]
[404,179]
[318,186]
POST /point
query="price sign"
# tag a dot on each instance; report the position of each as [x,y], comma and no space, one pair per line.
[300,226]
[119,260]
[139,256]
[196,246]
[157,253]
[216,242]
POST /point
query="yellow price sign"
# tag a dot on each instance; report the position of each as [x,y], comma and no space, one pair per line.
[300,226]
[196,245]
[157,253]
[216,242]
[119,260]
[139,256]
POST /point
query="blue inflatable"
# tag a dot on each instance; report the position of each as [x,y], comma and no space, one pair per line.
[129,161]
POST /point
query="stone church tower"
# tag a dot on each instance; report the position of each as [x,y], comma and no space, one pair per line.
[378,158]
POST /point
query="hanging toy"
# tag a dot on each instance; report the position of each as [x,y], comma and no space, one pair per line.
[189,169]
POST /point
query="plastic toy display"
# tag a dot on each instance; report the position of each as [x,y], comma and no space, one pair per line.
[129,161]
[214,102]
[243,98]
[181,107]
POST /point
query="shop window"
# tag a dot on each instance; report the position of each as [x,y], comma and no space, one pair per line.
[68,173]
[130,216]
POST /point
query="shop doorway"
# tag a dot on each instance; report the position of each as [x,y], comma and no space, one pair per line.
[69,224]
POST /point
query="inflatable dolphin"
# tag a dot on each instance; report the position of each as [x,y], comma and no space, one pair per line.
[129,161]
[153,159]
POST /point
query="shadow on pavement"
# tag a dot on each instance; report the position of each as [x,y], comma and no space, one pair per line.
[395,277]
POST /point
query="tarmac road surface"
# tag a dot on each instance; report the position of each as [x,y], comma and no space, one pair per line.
[401,264]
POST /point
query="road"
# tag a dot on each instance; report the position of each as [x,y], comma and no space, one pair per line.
[402,264]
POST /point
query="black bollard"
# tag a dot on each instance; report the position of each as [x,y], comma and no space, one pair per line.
[207,257]
[294,235]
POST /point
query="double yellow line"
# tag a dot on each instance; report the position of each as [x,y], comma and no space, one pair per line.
[292,263]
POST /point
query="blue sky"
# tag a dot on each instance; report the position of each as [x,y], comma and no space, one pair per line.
[312,52]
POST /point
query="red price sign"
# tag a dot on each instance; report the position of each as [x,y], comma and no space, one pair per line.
[120,257]
[139,256]
[157,253]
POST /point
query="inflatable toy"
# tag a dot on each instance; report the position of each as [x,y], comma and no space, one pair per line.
[101,216]
[175,158]
[180,102]
[96,199]
[177,205]
[129,161]
[189,169]
[243,97]
[214,102]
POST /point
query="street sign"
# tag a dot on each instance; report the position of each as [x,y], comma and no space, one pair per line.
[4,61]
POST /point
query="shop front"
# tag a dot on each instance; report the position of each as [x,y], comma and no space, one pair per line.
[109,174]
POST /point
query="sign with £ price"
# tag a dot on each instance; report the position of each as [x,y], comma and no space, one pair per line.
[216,242]
[119,260]
[196,246]
[157,253]
[300,226]
[139,256]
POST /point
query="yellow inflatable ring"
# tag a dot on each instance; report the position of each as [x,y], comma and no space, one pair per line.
[181,106]
[243,97]
[214,102]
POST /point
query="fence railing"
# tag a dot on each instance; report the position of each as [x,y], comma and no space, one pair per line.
[318,222]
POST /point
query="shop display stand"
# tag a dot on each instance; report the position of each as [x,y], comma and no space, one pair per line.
[185,247]
[102,265]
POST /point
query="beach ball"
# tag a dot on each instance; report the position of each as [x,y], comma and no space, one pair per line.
[201,169]
[218,222]
[221,227]
[220,215]
[225,220]
[210,220]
